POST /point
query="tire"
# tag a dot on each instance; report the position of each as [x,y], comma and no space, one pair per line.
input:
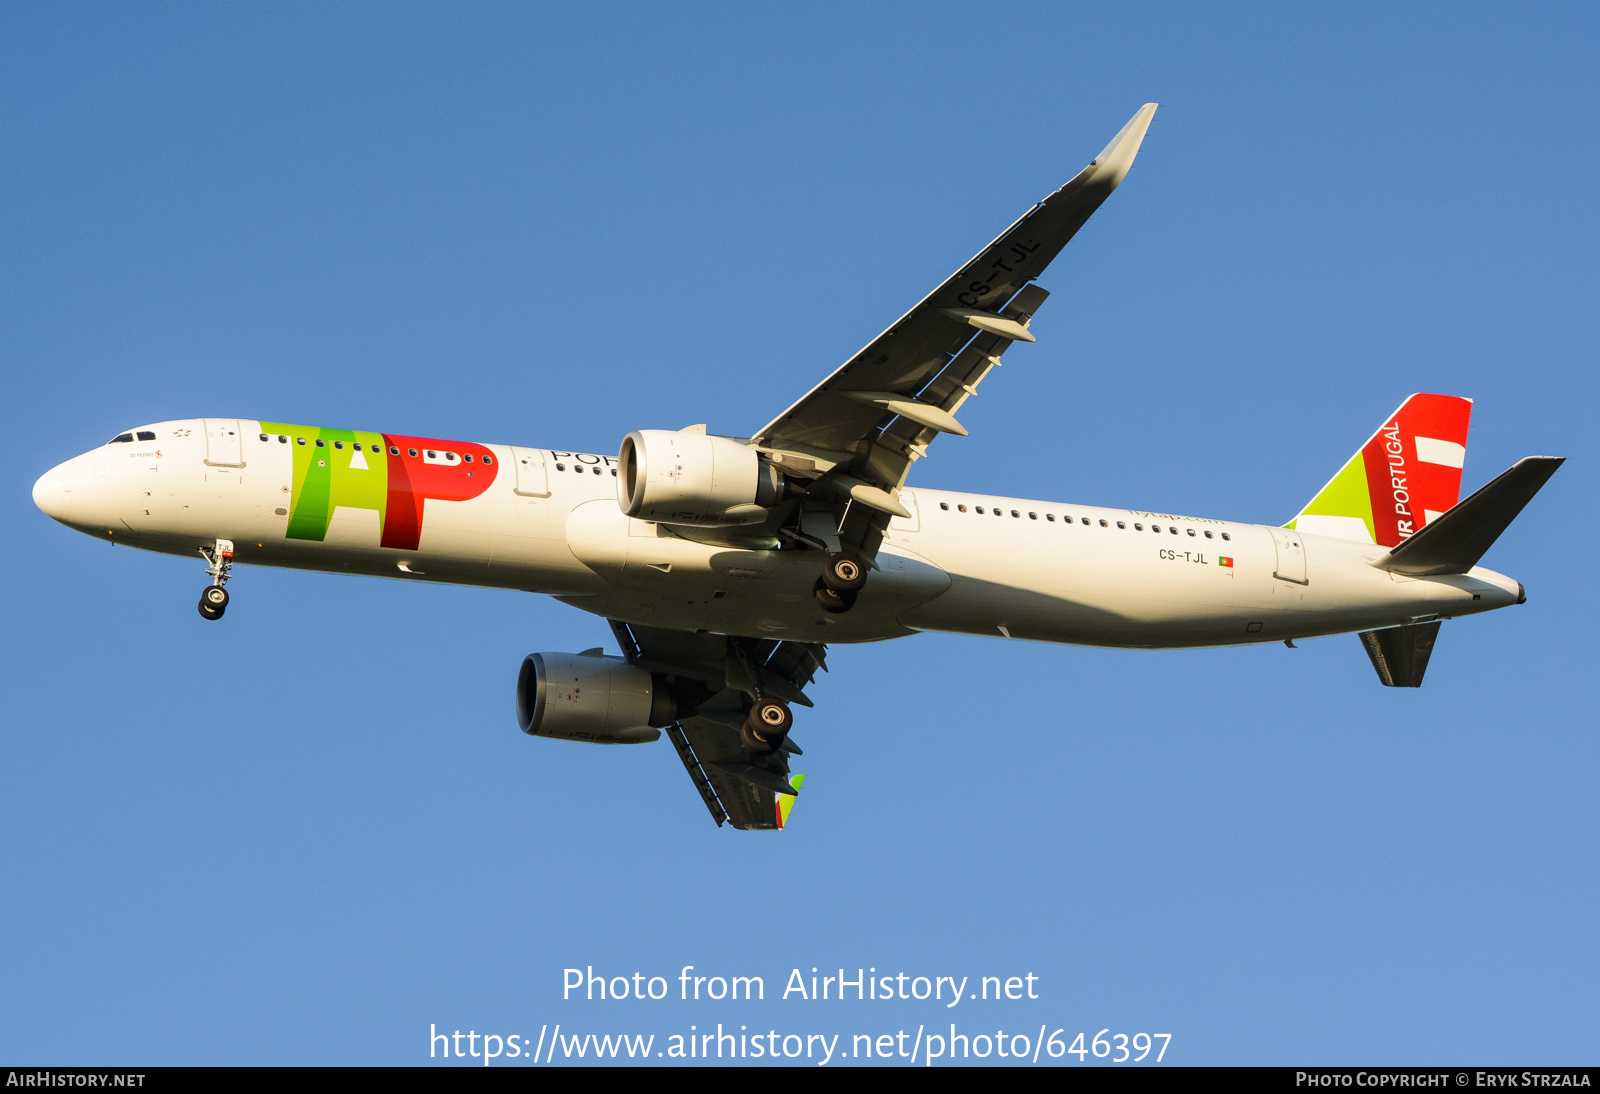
[208,612]
[766,726]
[771,717]
[832,602]
[216,598]
[756,743]
[844,573]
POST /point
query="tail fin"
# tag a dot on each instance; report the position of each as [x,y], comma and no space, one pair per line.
[1407,474]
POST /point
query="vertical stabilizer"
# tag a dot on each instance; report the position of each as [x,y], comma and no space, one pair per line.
[1407,474]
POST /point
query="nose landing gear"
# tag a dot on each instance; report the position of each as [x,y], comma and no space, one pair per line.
[214,600]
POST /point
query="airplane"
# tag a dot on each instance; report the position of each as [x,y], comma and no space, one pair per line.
[726,566]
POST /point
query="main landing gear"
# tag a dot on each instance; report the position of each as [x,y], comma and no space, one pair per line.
[843,577]
[214,601]
[766,727]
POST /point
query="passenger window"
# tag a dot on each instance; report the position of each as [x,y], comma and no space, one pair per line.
[1121,525]
[488,459]
[1138,527]
[321,443]
[339,445]
[393,451]
[1226,536]
[1033,516]
[282,439]
[1191,531]
[945,506]
[300,440]
[1016,514]
[961,508]
[432,455]
[1174,531]
[1086,520]
[1050,516]
[413,452]
[1208,535]
[979,510]
[561,467]
[121,438]
[263,436]
[1103,524]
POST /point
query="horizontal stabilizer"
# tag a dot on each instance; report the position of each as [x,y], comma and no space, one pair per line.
[1454,542]
[1400,654]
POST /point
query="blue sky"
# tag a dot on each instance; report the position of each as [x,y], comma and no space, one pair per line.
[307,833]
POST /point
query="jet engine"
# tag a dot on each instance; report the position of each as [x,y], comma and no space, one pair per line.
[587,697]
[694,479]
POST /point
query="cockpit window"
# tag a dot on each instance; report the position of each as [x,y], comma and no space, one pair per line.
[121,438]
[147,435]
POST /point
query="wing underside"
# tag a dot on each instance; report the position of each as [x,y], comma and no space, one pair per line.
[726,674]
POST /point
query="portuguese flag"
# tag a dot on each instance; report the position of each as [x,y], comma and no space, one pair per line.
[1224,560]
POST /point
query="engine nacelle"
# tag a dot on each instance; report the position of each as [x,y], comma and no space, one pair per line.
[603,700]
[694,479]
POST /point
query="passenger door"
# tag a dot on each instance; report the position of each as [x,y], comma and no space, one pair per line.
[1291,555]
[224,446]
[533,479]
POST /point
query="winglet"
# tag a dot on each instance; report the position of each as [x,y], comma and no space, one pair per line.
[1112,164]
[786,801]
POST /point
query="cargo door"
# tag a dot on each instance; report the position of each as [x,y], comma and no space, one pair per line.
[1291,555]
[533,480]
[224,446]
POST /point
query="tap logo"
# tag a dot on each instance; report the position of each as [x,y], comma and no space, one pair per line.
[394,475]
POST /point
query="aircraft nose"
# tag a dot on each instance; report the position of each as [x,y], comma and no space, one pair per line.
[53,493]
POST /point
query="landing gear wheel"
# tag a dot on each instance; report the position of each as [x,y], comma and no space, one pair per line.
[834,603]
[844,573]
[213,602]
[765,728]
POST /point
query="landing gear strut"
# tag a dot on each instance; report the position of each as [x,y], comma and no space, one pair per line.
[765,728]
[214,600]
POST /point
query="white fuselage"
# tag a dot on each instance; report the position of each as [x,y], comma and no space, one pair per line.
[1039,570]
